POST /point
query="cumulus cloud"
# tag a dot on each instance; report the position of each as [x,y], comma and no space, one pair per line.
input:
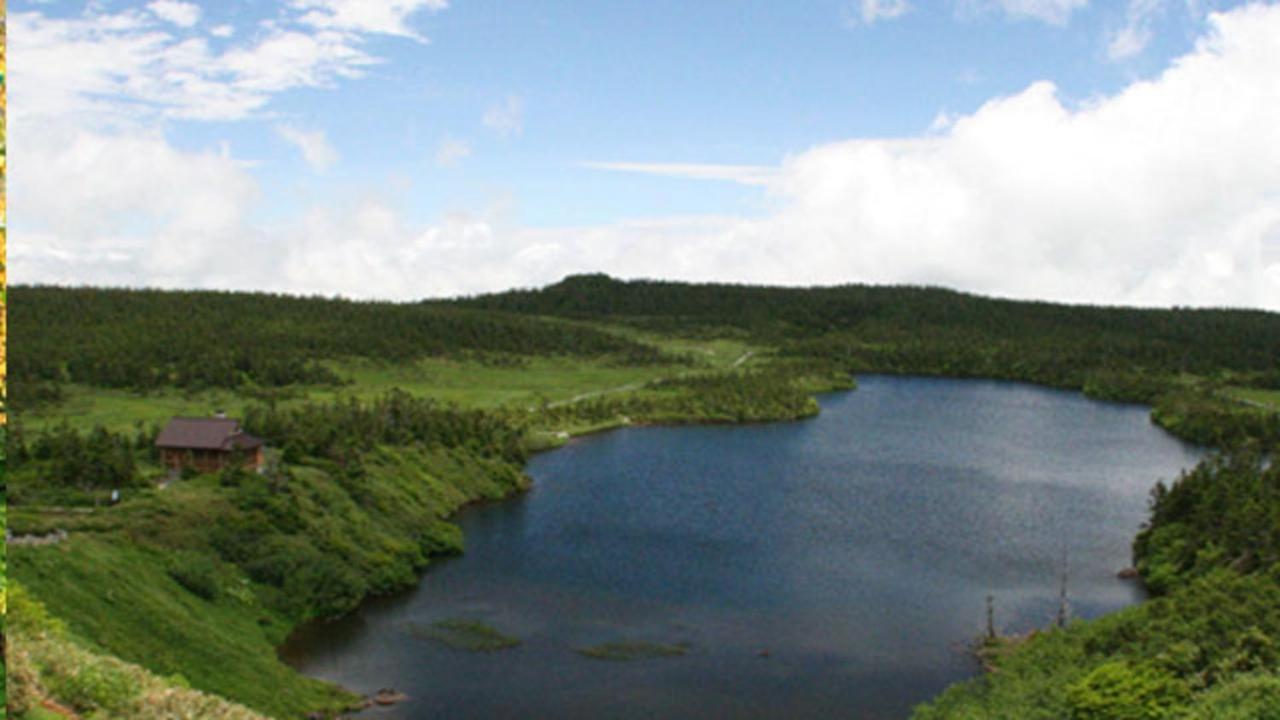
[182,14]
[505,118]
[129,209]
[1165,192]
[313,145]
[452,151]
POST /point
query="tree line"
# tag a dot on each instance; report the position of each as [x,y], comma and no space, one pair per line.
[925,329]
[147,339]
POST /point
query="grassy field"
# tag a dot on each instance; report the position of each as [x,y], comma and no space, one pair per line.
[1255,396]
[121,410]
[474,384]
[471,383]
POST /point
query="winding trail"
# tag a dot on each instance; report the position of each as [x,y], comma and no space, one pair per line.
[597,393]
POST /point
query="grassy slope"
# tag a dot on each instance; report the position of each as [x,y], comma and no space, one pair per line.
[48,662]
[111,582]
[120,595]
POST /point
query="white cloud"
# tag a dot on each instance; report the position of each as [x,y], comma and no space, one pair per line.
[313,144]
[1166,192]
[870,11]
[452,151]
[1055,12]
[1135,35]
[222,31]
[1128,41]
[366,16]
[182,14]
[128,68]
[128,209]
[742,174]
[507,117]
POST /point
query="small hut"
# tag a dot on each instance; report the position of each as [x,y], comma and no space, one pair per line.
[207,444]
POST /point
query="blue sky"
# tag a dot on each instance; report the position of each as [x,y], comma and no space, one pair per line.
[404,148]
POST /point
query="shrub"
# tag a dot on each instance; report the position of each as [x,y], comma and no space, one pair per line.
[98,687]
[1120,691]
[1248,697]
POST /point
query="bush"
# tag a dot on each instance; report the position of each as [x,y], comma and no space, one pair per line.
[1120,691]
[98,687]
[1248,697]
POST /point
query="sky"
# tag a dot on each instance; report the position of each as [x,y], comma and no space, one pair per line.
[1120,152]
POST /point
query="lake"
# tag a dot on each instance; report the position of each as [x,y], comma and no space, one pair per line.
[834,566]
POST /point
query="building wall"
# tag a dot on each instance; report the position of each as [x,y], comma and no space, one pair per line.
[206,461]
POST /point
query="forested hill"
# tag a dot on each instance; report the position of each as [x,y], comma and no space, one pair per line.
[142,339]
[860,318]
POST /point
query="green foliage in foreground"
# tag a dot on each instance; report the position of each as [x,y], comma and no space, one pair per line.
[465,634]
[1186,654]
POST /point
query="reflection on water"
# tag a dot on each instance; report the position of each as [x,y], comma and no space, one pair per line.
[837,565]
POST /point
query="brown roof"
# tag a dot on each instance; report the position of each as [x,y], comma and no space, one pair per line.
[245,441]
[205,434]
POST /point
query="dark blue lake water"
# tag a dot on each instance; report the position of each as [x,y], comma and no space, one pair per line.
[857,549]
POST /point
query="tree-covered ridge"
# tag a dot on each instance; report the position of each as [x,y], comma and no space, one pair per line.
[925,327]
[143,339]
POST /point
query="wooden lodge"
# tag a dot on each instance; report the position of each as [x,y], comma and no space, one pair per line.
[207,444]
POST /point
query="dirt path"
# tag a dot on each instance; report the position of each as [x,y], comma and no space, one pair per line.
[597,393]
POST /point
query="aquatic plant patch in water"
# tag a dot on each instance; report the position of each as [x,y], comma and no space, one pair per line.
[626,651]
[465,634]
